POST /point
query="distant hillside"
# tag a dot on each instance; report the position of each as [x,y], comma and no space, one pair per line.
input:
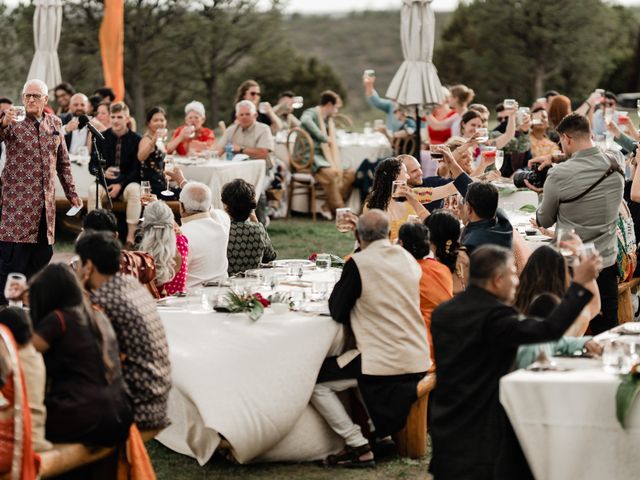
[353,43]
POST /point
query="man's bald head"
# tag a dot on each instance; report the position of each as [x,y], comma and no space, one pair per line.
[414,170]
[372,226]
[79,104]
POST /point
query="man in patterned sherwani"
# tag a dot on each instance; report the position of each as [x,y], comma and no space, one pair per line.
[36,153]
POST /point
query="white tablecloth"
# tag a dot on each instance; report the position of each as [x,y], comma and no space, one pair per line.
[250,382]
[566,423]
[214,173]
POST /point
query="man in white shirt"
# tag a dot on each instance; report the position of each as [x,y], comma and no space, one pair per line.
[77,138]
[208,233]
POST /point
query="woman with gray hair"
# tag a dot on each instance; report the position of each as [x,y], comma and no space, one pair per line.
[162,238]
[193,136]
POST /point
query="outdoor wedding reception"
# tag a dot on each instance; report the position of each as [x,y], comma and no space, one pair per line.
[288,239]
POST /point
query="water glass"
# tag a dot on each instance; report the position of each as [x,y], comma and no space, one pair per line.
[298,102]
[588,249]
[319,289]
[162,134]
[509,103]
[145,188]
[613,357]
[263,107]
[483,135]
[565,235]
[341,215]
[20,113]
[323,261]
[14,287]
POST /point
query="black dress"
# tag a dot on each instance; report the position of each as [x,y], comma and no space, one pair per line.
[152,170]
[86,397]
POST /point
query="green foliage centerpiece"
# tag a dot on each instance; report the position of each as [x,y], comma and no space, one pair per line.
[252,304]
[627,392]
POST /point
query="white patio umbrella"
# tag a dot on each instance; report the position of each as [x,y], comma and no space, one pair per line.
[416,83]
[47,25]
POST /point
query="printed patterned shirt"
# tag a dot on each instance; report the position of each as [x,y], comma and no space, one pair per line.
[143,343]
[36,152]
[249,244]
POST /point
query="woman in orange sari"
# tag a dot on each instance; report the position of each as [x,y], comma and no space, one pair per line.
[17,457]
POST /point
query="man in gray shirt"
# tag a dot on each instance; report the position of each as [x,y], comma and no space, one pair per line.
[593,215]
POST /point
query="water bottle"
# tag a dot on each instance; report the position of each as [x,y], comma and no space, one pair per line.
[228,150]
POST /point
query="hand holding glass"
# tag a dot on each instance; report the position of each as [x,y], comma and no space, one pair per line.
[14,288]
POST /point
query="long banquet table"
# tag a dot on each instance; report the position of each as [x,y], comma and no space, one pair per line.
[250,382]
[566,423]
[214,173]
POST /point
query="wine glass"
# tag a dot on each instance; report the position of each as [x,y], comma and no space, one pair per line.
[14,287]
[323,261]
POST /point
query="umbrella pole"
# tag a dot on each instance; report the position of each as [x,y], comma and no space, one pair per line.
[418,144]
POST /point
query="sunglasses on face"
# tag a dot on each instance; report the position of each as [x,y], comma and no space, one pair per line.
[255,94]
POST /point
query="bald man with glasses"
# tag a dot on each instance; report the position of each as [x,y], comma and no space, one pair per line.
[36,154]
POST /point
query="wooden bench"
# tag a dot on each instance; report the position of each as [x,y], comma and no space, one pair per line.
[64,457]
[411,441]
[625,300]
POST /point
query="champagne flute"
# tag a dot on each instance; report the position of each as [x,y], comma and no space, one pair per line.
[167,166]
[14,287]
[499,159]
[145,191]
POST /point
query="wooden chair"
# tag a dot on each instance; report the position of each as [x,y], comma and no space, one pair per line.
[411,441]
[625,300]
[300,146]
[343,122]
[404,146]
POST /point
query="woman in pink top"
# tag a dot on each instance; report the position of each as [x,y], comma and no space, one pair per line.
[169,248]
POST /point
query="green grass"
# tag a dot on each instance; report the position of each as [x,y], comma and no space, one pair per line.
[173,466]
[300,237]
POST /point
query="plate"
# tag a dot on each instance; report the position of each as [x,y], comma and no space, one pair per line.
[319,308]
[632,328]
[293,263]
[537,238]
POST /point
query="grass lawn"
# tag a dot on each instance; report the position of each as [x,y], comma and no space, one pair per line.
[292,238]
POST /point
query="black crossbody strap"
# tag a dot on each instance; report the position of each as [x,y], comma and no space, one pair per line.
[613,168]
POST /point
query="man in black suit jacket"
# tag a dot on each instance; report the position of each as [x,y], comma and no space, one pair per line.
[475,337]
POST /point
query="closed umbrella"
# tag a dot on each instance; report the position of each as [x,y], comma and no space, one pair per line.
[416,83]
[47,25]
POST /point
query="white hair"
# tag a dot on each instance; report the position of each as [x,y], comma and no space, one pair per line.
[159,239]
[38,83]
[194,106]
[195,197]
[245,103]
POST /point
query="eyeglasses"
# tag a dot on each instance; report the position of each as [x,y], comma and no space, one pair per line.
[34,96]
[255,94]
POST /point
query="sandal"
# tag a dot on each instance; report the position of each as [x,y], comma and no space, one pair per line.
[350,458]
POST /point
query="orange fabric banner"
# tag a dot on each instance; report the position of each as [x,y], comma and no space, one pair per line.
[112,46]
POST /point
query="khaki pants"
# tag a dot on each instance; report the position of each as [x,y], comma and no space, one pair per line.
[131,195]
[337,185]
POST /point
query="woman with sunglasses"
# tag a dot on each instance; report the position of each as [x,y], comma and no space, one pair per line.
[250,90]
